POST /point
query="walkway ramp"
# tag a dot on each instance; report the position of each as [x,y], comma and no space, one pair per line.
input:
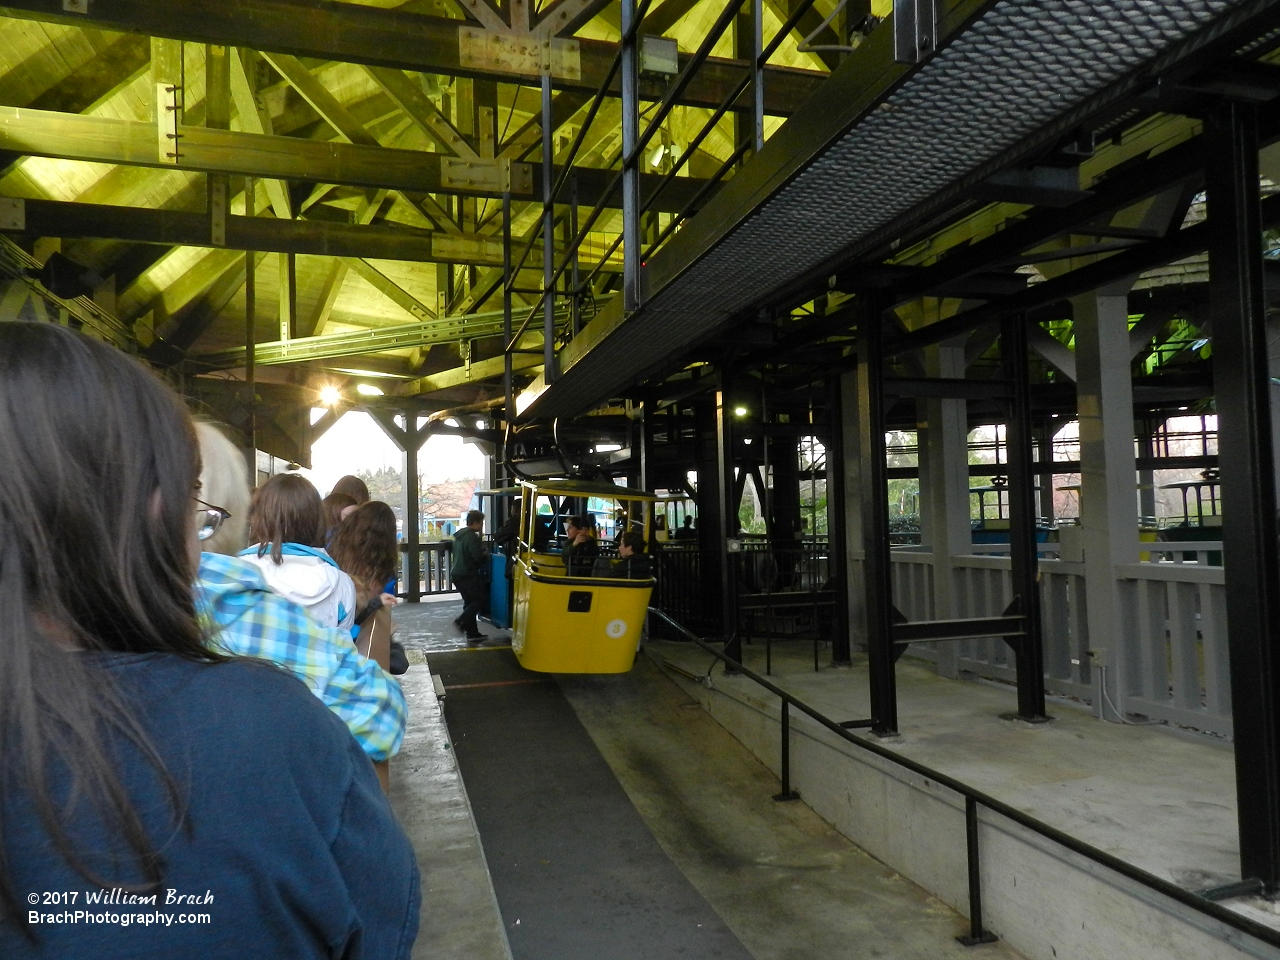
[578,874]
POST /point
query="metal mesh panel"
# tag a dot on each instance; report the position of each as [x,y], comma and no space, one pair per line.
[1017,68]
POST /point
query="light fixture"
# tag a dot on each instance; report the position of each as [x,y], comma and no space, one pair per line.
[479,424]
[368,390]
[739,411]
[746,440]
[656,160]
[330,395]
[607,447]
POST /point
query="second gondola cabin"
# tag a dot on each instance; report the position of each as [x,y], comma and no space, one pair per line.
[567,623]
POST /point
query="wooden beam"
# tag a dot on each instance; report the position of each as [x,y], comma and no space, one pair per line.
[417,106]
[107,140]
[525,363]
[254,118]
[347,126]
[564,18]
[315,324]
[391,290]
[356,33]
[50,218]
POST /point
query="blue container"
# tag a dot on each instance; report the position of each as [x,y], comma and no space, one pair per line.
[499,592]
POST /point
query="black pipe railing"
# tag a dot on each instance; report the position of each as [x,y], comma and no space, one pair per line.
[973,800]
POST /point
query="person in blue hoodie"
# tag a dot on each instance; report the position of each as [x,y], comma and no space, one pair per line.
[178,801]
[286,525]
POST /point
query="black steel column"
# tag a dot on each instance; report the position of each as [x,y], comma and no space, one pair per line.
[508,390]
[728,520]
[1242,384]
[549,372]
[1022,519]
[836,493]
[630,171]
[875,524]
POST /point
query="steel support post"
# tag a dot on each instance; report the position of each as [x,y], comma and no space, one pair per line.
[250,340]
[875,524]
[509,412]
[548,236]
[645,447]
[630,171]
[851,426]
[412,534]
[1022,520]
[727,520]
[757,81]
[837,491]
[1243,392]
[575,278]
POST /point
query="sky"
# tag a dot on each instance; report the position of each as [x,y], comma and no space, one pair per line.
[356,443]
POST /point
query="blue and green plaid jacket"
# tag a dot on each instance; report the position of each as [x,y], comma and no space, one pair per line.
[247,619]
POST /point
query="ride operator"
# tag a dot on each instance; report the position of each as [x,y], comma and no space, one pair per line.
[467,570]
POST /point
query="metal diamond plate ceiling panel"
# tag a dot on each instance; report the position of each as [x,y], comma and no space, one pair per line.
[1019,67]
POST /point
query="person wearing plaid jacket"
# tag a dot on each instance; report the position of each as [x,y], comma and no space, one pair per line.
[246,618]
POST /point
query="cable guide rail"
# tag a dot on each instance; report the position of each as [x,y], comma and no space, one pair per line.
[1199,901]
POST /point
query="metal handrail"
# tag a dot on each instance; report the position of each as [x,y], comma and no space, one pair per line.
[975,798]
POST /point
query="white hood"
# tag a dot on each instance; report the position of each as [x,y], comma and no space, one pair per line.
[312,582]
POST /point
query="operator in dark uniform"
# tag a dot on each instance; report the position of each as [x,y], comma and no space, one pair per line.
[469,556]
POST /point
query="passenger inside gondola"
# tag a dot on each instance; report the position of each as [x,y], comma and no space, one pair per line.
[632,563]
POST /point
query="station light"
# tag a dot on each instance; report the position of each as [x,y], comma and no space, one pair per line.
[368,390]
[479,424]
[330,396]
[607,447]
[740,411]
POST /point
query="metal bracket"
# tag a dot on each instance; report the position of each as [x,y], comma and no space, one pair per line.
[915,30]
[491,176]
[218,210]
[13,213]
[519,54]
[167,112]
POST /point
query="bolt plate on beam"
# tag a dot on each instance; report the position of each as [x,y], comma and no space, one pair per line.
[13,213]
[524,55]
[493,176]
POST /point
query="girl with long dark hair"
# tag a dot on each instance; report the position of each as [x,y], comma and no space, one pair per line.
[364,546]
[144,778]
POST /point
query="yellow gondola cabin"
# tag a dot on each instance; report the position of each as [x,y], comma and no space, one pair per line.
[577,624]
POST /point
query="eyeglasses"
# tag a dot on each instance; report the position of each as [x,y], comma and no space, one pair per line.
[210,519]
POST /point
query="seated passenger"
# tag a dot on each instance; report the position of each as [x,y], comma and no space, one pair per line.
[286,521]
[687,532]
[581,547]
[136,759]
[632,562]
[248,619]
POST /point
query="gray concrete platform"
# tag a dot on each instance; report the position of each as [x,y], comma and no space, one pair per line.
[1162,801]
